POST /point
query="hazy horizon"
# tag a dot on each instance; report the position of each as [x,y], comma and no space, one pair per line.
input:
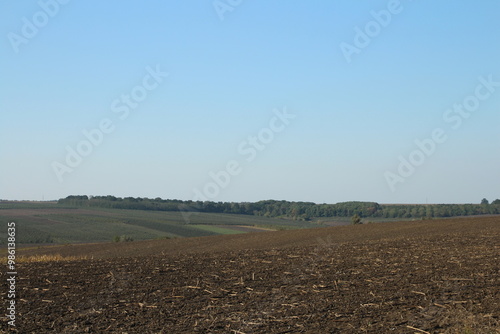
[268,199]
[383,101]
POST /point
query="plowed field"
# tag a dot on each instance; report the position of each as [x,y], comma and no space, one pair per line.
[440,276]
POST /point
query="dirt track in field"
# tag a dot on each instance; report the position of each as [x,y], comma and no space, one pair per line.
[439,276]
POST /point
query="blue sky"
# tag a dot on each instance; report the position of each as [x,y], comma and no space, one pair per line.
[354,115]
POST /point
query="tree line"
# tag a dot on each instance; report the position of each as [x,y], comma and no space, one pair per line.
[292,210]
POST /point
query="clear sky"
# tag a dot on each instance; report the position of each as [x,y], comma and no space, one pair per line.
[318,101]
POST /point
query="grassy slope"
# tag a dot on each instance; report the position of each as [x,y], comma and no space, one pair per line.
[439,228]
[217,229]
[49,222]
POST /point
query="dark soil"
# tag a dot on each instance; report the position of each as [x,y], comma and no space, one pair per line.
[435,277]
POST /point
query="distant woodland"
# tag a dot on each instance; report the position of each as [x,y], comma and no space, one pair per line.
[291,210]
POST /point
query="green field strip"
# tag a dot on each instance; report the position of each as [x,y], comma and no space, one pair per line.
[217,229]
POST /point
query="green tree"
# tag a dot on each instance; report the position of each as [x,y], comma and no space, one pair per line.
[355,220]
[484,201]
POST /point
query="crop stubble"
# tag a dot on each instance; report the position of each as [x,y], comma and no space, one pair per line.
[410,282]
